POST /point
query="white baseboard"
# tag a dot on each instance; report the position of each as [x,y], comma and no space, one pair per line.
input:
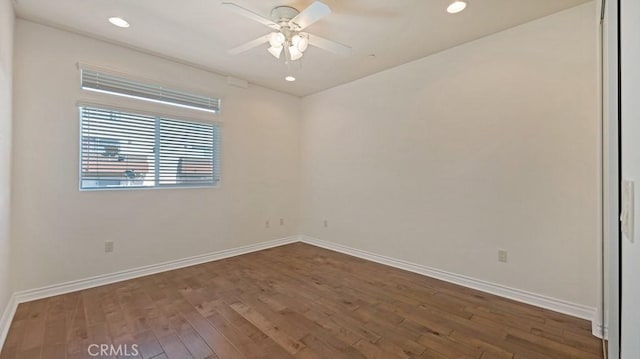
[538,300]
[86,283]
[76,285]
[7,317]
[598,330]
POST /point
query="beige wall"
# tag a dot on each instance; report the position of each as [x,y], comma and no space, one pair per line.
[6,59]
[59,231]
[442,161]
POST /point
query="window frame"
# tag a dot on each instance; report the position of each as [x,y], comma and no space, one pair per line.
[157,116]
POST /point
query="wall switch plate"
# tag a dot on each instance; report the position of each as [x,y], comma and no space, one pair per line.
[282,221]
[267,224]
[108,246]
[326,223]
[627,217]
[502,256]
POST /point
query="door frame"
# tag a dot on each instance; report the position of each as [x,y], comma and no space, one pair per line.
[612,170]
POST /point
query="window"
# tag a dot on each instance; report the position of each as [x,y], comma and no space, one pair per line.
[126,150]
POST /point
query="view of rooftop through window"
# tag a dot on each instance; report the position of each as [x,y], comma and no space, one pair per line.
[122,149]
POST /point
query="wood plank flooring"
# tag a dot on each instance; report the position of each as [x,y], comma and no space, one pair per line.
[294,301]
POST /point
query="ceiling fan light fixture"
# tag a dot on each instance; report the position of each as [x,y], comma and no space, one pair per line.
[295,40]
[286,37]
[275,51]
[294,53]
[456,7]
[276,39]
[303,43]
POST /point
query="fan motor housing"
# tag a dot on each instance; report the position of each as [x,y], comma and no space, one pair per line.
[283,14]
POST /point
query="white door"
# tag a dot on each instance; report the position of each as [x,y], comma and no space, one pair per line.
[630,126]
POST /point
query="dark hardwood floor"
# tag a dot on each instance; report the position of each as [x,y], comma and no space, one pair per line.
[295,301]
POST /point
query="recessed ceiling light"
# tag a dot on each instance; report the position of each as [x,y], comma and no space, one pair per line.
[456,6]
[290,78]
[118,21]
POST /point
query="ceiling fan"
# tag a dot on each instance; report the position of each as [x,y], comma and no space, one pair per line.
[288,37]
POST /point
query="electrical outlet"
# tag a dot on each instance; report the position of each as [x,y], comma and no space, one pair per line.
[502,256]
[282,221]
[326,223]
[266,224]
[108,246]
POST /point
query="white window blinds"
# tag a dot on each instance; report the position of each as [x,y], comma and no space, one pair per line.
[118,85]
[121,149]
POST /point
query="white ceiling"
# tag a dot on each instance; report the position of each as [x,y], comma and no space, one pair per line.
[200,32]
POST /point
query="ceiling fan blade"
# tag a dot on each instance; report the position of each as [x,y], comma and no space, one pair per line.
[249,45]
[311,14]
[250,15]
[329,45]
